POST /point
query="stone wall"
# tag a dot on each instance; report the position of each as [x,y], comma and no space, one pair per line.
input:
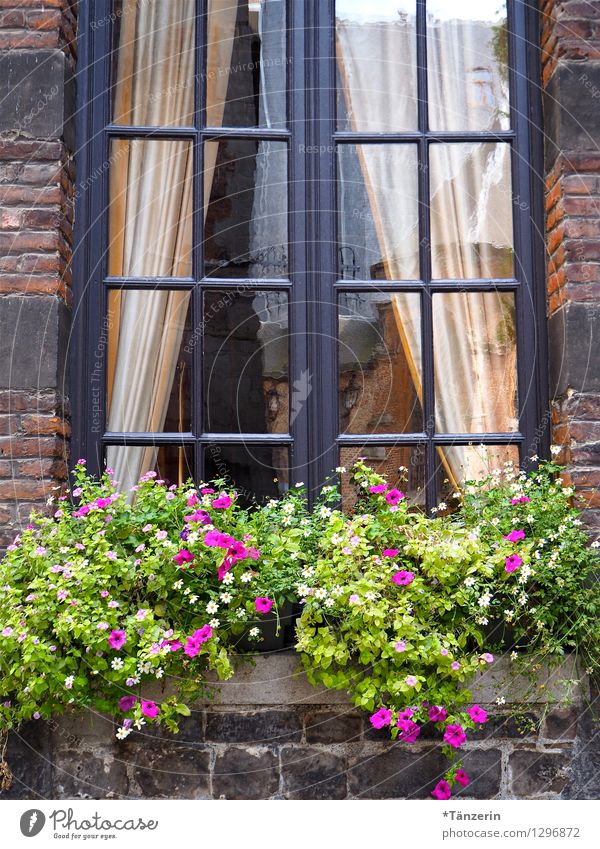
[270,735]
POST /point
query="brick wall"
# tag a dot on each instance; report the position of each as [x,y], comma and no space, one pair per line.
[571,81]
[37,61]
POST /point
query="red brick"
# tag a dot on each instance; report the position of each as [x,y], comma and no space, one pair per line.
[27,39]
[32,285]
[28,240]
[573,29]
[43,468]
[582,272]
[32,4]
[581,227]
[24,149]
[584,407]
[45,425]
[8,424]
[11,401]
[582,206]
[580,184]
[34,195]
[31,447]
[579,9]
[23,489]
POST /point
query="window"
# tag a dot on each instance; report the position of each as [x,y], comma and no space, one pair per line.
[307,234]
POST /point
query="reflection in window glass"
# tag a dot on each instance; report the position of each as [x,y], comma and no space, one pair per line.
[467,65]
[460,463]
[378,225]
[475,354]
[148,362]
[150,208]
[246,72]
[380,375]
[172,463]
[255,471]
[402,465]
[245,187]
[153,72]
[471,210]
[376,48]
[246,362]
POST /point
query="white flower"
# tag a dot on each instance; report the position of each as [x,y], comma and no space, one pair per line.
[523,598]
[254,633]
[300,483]
[117,663]
[187,591]
[325,512]
[193,599]
[139,723]
[513,655]
[484,600]
[303,590]
[554,450]
[214,623]
[241,613]
[337,591]
[228,578]
[320,593]
[304,522]
[596,543]
[495,521]
[122,733]
[530,519]
[177,585]
[469,581]
[442,505]
[159,672]
[272,503]
[193,537]
[308,571]
[245,578]
[482,620]
[501,700]
[288,507]
[69,681]
[370,596]
[329,602]
[341,470]
[226,598]
[212,607]
[337,539]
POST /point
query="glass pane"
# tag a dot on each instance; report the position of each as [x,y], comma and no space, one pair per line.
[246,362]
[255,471]
[457,464]
[402,465]
[471,210]
[148,361]
[153,62]
[150,208]
[246,76]
[467,59]
[173,464]
[376,47]
[475,357]
[378,222]
[380,373]
[245,186]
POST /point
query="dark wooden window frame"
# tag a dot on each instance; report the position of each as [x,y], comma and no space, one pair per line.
[313,285]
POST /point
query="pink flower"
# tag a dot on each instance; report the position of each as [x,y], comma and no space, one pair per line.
[110,555]
[409,730]
[520,499]
[147,527]
[113,604]
[61,595]
[160,535]
[455,736]
[455,665]
[441,791]
[403,578]
[192,647]
[203,634]
[77,491]
[81,461]
[378,489]
[513,561]
[487,657]
[394,496]
[79,546]
[354,599]
[39,550]
[263,605]
[437,713]
[254,553]
[104,593]
[141,614]
[224,567]
[207,491]
[102,626]
[192,500]
[410,680]
[216,539]
[381,718]
[400,646]
[461,777]
[149,709]
[127,702]
[6,632]
[116,639]
[444,652]
[346,550]
[389,552]
[478,714]
[183,556]
[222,502]
[515,536]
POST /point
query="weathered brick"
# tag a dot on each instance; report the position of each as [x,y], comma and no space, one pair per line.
[535,773]
[394,772]
[310,773]
[331,727]
[167,771]
[260,727]
[80,773]
[245,774]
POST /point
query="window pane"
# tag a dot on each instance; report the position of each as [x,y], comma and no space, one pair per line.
[376,49]
[172,463]
[255,471]
[467,58]
[402,465]
[148,361]
[153,65]
[378,224]
[246,76]
[246,362]
[457,464]
[380,374]
[150,208]
[475,354]
[471,210]
[245,185]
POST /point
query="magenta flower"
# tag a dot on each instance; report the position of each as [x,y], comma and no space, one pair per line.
[512,562]
[263,605]
[224,568]
[461,777]
[117,639]
[407,713]
[394,496]
[378,488]
[183,556]
[216,539]
[437,713]
[455,736]
[515,535]
[238,551]
[198,516]
[192,500]
[149,709]
[403,578]
[441,790]
[207,491]
[192,647]
[222,502]
[389,552]
[520,499]
[478,714]
[127,702]
[203,634]
[103,503]
[254,553]
[104,593]
[381,718]
[409,730]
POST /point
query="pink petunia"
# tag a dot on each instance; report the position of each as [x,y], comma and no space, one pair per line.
[487,657]
[192,500]
[378,488]
[441,790]
[437,713]
[461,777]
[515,535]
[262,604]
[410,680]
[478,714]
[400,646]
[455,665]
[216,539]
[389,552]
[455,736]
[222,502]
[127,702]
[409,730]
[117,639]
[381,718]
[403,578]
[512,562]
[207,490]
[183,556]
[149,709]
[520,499]
[394,496]
[224,568]
[444,652]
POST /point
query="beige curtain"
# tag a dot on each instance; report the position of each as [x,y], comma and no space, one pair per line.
[471,208]
[151,208]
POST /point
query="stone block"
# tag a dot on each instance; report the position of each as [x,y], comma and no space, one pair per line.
[82,773]
[310,773]
[245,774]
[536,773]
[260,727]
[394,772]
[322,726]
